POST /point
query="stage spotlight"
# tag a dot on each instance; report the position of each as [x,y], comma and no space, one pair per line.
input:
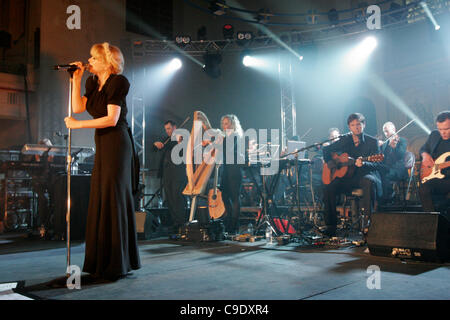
[175,64]
[361,52]
[369,44]
[218,7]
[182,40]
[247,60]
[244,35]
[437,27]
[228,31]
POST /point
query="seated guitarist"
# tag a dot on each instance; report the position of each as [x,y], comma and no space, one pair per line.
[357,144]
[437,144]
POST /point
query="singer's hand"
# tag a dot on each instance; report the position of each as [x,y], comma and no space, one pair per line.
[159,145]
[79,72]
[72,123]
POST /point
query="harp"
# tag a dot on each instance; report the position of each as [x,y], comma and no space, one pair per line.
[198,174]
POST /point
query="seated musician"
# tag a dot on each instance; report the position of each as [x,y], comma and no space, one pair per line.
[436,150]
[333,135]
[393,167]
[357,144]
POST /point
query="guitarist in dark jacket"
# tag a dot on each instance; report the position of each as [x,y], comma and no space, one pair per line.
[437,144]
[356,144]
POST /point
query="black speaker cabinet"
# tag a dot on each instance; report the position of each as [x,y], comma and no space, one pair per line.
[80,188]
[421,236]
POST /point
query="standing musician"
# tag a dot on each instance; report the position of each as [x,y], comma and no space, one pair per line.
[111,239]
[393,168]
[231,172]
[356,144]
[173,179]
[436,146]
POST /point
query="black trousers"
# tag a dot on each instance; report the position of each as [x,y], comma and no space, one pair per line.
[388,177]
[338,186]
[231,190]
[173,184]
[433,187]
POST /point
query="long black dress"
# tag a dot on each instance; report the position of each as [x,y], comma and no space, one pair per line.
[111,241]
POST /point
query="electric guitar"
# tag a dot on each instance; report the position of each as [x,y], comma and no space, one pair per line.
[343,166]
[216,207]
[434,172]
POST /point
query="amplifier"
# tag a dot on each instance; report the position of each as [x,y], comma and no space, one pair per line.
[421,236]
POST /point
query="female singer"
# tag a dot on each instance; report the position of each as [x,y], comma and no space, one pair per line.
[111,241]
[231,173]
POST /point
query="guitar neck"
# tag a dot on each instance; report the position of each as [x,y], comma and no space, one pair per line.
[444,165]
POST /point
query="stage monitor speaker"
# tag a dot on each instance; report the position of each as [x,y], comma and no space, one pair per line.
[80,188]
[423,236]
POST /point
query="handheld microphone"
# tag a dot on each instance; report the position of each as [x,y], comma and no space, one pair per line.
[69,66]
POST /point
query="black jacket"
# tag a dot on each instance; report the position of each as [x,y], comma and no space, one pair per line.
[368,146]
[394,158]
[166,166]
[431,144]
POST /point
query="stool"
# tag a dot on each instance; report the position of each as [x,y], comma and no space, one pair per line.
[358,218]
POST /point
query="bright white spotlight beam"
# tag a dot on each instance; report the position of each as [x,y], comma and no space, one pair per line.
[430,15]
[175,64]
[250,61]
[361,52]
[393,98]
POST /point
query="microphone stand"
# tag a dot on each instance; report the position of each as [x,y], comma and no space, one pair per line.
[69,168]
[295,153]
[315,145]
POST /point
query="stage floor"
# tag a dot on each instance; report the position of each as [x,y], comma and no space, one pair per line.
[226,270]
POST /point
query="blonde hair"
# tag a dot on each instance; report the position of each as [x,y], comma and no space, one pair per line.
[235,123]
[111,55]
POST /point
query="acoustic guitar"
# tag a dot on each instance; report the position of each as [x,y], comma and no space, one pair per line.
[343,166]
[216,207]
[434,172]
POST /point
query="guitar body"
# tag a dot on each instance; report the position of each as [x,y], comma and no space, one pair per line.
[216,207]
[343,166]
[434,172]
[334,169]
